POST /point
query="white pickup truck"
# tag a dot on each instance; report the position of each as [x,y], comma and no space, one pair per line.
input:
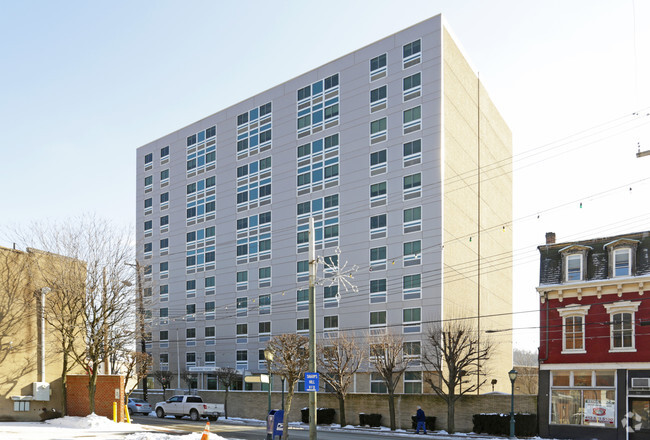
[192,406]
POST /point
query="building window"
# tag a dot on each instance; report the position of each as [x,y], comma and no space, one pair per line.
[378,130]
[264,302]
[317,106]
[622,325]
[378,194]
[264,332]
[377,384]
[412,152]
[378,256]
[242,359]
[412,119]
[190,333]
[210,332]
[378,291]
[411,54]
[242,280]
[164,152]
[412,320]
[378,67]
[622,262]
[331,322]
[378,99]
[242,333]
[573,328]
[302,299]
[164,335]
[242,306]
[411,287]
[302,325]
[378,162]
[576,394]
[411,87]
[412,382]
[377,322]
[412,219]
[330,296]
[574,268]
[148,158]
[412,186]
[412,350]
[412,252]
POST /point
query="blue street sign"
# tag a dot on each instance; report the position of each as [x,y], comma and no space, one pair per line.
[311,381]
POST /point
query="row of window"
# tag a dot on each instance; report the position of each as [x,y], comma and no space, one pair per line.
[148,158]
[411,55]
[622,336]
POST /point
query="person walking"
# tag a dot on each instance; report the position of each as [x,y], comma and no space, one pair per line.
[421,419]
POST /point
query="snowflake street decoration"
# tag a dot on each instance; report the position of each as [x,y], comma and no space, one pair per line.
[340,275]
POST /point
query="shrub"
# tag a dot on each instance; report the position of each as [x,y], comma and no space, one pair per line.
[370,419]
[499,424]
[324,416]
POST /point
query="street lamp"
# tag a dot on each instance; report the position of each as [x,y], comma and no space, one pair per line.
[513,376]
[268,355]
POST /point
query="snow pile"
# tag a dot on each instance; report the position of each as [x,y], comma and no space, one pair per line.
[94,422]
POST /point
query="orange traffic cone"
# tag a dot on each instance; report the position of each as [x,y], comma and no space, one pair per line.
[206,432]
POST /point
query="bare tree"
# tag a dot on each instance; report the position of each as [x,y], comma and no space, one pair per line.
[103,290]
[164,378]
[228,377]
[338,359]
[189,378]
[387,357]
[290,361]
[17,306]
[453,357]
[136,366]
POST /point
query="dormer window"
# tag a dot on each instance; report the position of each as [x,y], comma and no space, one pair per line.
[574,259]
[622,263]
[622,253]
[574,267]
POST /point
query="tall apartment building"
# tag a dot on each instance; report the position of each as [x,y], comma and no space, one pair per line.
[403,161]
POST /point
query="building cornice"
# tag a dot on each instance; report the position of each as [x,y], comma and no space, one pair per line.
[594,288]
[597,366]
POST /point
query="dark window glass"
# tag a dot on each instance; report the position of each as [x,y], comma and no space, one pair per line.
[378,62]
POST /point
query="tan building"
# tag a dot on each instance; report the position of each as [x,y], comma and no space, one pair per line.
[31,363]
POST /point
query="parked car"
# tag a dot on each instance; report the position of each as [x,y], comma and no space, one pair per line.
[138,406]
[193,406]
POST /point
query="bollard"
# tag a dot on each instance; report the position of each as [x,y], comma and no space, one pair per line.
[128,416]
[115,412]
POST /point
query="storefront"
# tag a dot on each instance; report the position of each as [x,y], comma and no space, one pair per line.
[606,404]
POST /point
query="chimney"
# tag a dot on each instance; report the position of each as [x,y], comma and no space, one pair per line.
[550,238]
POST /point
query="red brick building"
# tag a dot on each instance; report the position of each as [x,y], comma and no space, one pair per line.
[594,379]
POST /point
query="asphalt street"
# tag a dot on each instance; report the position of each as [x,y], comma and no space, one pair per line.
[232,430]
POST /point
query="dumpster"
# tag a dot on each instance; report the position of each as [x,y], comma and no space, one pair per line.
[274,423]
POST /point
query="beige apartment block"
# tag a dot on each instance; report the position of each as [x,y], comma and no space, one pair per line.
[31,362]
[477,187]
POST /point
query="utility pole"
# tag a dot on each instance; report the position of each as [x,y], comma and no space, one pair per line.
[104,323]
[312,328]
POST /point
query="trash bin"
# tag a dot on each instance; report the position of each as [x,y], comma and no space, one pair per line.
[274,423]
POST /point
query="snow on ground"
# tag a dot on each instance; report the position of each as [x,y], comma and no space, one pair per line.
[84,427]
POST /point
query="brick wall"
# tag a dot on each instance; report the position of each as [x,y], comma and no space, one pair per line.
[253,404]
[79,404]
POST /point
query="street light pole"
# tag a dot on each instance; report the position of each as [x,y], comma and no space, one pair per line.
[312,328]
[268,355]
[513,376]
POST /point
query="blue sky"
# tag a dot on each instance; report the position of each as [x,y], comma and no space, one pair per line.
[84,84]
